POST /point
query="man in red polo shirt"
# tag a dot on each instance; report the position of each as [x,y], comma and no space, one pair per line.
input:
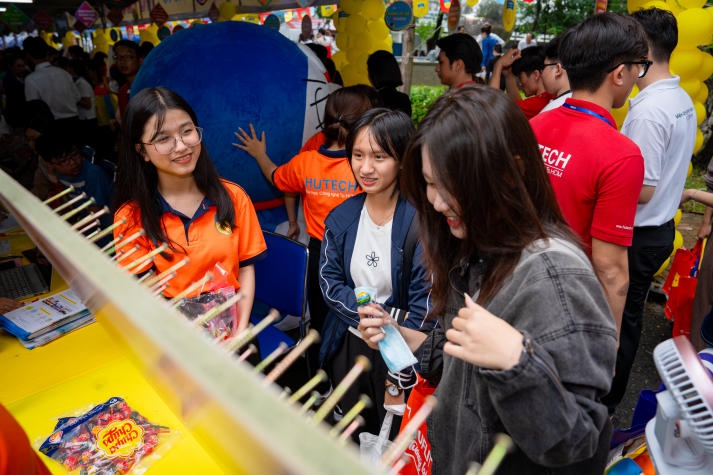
[596,172]
[523,68]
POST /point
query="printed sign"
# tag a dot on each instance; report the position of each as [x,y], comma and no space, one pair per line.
[159,15]
[43,20]
[86,14]
[398,16]
[453,15]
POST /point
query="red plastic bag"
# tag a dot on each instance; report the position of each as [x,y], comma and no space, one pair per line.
[684,264]
[680,286]
[419,450]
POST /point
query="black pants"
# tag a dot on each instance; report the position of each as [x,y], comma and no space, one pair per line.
[372,383]
[650,247]
[315,299]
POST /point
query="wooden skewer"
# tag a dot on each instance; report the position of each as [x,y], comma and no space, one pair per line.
[503,445]
[408,433]
[163,283]
[62,193]
[217,310]
[245,354]
[91,217]
[120,256]
[314,395]
[147,275]
[281,348]
[151,281]
[241,339]
[362,364]
[175,301]
[363,402]
[109,229]
[78,209]
[311,337]
[146,258]
[70,203]
[89,226]
[399,465]
[130,239]
[109,248]
[319,377]
[158,289]
[356,423]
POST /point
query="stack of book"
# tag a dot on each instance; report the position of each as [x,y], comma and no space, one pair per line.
[44,320]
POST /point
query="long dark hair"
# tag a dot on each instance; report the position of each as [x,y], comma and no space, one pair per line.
[137,179]
[343,108]
[483,151]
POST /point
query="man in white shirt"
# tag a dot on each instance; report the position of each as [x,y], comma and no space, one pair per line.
[662,122]
[527,42]
[52,85]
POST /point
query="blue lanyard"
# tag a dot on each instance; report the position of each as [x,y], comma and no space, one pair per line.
[587,111]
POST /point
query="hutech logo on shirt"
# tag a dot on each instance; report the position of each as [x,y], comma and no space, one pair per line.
[330,187]
[555,160]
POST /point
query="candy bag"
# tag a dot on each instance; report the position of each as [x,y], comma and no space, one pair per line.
[109,438]
[223,325]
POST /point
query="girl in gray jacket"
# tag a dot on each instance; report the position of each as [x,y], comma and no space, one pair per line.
[527,343]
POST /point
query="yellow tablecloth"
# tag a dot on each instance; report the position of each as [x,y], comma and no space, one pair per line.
[74,373]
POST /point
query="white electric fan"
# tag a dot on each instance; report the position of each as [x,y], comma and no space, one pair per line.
[680,437]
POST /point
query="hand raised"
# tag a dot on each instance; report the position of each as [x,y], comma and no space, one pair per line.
[250,142]
[482,339]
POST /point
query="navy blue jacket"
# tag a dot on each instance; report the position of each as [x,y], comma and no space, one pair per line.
[336,282]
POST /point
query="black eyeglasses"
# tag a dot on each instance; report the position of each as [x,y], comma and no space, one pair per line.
[644,63]
[549,64]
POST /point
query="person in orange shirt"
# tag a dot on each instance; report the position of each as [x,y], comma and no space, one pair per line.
[16,453]
[168,186]
[322,177]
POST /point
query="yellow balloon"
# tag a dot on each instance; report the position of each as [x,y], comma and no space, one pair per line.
[663,267]
[695,27]
[660,4]
[619,114]
[706,68]
[677,240]
[372,9]
[350,6]
[700,112]
[674,6]
[684,4]
[227,11]
[355,24]
[690,169]
[702,94]
[686,61]
[340,59]
[69,39]
[635,5]
[699,141]
[677,217]
[343,41]
[691,87]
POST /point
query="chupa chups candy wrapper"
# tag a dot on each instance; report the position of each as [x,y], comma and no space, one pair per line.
[111,438]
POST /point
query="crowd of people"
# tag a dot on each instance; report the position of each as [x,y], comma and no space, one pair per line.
[510,240]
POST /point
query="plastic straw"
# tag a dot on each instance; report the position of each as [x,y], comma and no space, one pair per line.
[363,402]
[408,433]
[362,364]
[62,193]
[320,376]
[311,337]
[281,348]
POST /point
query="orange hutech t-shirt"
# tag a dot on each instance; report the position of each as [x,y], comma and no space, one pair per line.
[204,241]
[322,181]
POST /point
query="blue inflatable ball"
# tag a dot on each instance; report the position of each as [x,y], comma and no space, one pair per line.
[234,74]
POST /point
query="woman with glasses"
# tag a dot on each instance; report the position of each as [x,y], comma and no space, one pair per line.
[168,187]
[527,344]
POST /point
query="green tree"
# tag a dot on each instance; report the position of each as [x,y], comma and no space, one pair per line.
[490,9]
[554,16]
